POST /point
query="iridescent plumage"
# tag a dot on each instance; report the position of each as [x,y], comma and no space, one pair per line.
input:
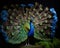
[54,21]
[21,23]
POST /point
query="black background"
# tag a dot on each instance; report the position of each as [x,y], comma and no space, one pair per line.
[49,3]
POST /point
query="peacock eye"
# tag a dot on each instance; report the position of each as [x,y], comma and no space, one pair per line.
[20,21]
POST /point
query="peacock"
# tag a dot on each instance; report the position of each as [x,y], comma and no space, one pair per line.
[19,24]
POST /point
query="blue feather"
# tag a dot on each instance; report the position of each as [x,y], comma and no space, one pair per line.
[52,10]
[31,5]
[4,34]
[4,15]
[22,5]
[54,21]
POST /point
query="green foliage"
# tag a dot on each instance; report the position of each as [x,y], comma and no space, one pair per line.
[49,44]
[56,43]
[45,44]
